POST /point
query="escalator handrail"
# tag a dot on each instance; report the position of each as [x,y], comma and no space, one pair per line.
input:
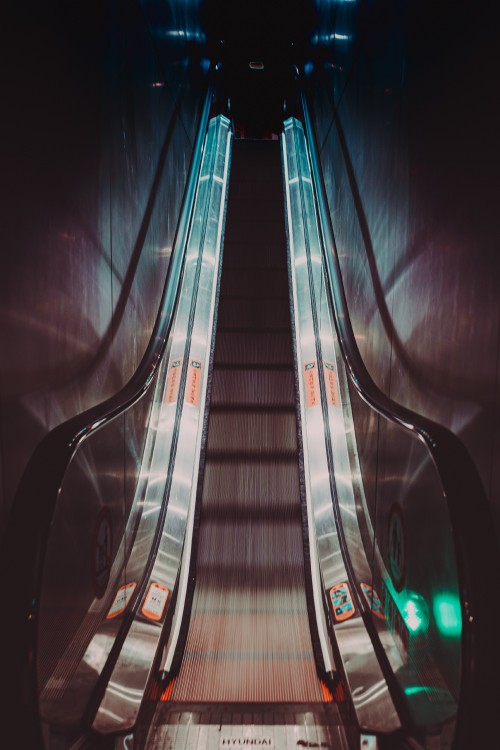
[40,486]
[473,532]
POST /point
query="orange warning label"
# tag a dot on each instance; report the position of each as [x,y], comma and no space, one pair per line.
[155,601]
[311,384]
[173,381]
[332,389]
[193,383]
[343,608]
[121,600]
[373,600]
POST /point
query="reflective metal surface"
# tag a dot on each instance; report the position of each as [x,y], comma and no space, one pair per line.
[97,138]
[283,727]
[399,588]
[92,530]
[416,244]
[122,699]
[369,691]
[68,683]
[410,174]
[415,241]
[359,156]
[249,638]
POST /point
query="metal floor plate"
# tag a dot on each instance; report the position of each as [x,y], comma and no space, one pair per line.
[218,726]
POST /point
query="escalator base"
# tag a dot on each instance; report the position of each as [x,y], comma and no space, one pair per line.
[284,726]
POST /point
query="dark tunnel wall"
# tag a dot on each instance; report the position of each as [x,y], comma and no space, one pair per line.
[406,112]
[98,130]
[100,116]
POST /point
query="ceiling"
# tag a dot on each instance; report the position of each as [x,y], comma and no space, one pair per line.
[273,34]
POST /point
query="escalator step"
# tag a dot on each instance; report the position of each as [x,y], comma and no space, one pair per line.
[251,511]
[266,283]
[253,349]
[260,486]
[255,387]
[251,408]
[243,255]
[253,457]
[254,312]
[260,431]
[249,637]
[246,331]
[268,232]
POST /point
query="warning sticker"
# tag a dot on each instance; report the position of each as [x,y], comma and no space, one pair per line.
[311,384]
[332,389]
[343,608]
[121,600]
[155,601]
[193,383]
[173,381]
[373,600]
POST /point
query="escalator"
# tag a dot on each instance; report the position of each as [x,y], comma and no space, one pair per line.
[253,597]
[249,643]
[249,619]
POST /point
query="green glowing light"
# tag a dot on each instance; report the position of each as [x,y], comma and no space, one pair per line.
[414,690]
[447,614]
[415,612]
[412,617]
[417,689]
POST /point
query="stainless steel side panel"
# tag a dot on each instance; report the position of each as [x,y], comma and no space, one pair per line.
[123,696]
[373,704]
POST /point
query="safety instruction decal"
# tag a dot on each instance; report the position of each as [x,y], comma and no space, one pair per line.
[193,383]
[311,384]
[174,377]
[343,608]
[155,602]
[332,389]
[121,600]
[373,600]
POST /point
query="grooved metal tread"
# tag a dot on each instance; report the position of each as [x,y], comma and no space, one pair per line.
[249,637]
[282,727]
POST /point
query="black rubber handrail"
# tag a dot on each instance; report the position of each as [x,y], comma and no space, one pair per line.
[470,514]
[23,553]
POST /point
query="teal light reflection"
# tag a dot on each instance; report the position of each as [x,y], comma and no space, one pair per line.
[418,689]
[415,612]
[448,614]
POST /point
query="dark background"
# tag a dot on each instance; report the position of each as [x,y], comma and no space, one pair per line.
[100,106]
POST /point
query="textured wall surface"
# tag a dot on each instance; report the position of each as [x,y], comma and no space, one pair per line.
[405,106]
[100,118]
